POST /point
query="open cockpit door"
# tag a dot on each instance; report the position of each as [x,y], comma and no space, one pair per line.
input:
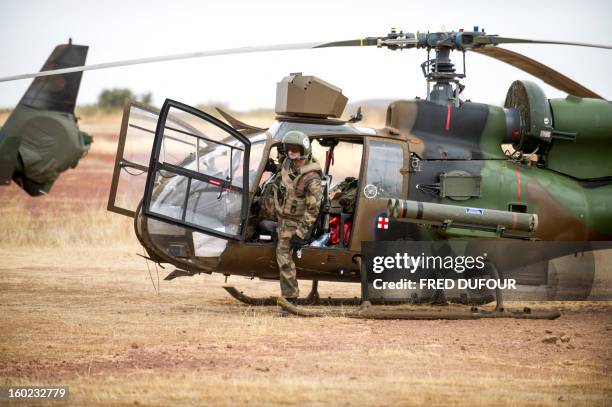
[198,176]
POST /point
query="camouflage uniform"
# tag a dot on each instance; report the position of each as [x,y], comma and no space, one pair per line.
[297,208]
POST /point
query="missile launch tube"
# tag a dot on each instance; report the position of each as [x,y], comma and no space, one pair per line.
[434,213]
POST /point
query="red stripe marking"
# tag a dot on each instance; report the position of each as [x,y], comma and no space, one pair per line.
[448,114]
[518,184]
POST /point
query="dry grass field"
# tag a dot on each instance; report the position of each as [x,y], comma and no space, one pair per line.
[78,307]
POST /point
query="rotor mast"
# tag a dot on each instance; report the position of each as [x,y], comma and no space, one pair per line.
[441,72]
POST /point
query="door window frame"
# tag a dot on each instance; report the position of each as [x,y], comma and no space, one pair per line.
[155,165]
[120,162]
[404,170]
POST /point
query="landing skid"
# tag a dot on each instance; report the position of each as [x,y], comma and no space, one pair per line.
[378,312]
[367,311]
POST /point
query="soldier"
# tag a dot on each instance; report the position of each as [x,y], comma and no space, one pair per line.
[297,204]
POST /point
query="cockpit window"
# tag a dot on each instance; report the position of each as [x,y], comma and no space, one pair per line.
[214,160]
[205,204]
[385,162]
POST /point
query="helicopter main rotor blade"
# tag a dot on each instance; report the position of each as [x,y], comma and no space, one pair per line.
[539,70]
[494,40]
[189,55]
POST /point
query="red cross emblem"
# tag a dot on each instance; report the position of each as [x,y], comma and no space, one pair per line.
[383,223]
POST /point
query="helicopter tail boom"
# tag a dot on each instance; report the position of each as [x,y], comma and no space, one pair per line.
[41,138]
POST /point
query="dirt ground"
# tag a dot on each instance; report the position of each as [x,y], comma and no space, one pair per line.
[80,308]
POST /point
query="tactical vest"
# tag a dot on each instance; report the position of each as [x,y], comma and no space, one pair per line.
[291,197]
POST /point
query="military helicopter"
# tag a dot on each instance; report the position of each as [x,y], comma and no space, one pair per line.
[536,169]
[41,137]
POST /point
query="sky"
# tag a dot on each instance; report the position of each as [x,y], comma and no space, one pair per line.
[118,30]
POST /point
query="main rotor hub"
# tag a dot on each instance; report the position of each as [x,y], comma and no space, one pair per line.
[439,71]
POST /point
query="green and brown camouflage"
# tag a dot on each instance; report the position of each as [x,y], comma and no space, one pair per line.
[287,228]
[566,179]
[41,138]
[505,160]
[298,204]
[299,194]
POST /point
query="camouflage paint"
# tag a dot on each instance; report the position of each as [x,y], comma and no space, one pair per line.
[41,137]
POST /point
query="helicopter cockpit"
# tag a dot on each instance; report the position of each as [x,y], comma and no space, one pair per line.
[340,158]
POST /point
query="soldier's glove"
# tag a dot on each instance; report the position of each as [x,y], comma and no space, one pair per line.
[296,243]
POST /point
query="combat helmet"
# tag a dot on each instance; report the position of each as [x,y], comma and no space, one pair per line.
[299,139]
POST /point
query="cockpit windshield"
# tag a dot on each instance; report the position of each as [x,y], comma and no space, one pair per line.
[206,203]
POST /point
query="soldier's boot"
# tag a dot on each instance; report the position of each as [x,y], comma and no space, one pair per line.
[291,300]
